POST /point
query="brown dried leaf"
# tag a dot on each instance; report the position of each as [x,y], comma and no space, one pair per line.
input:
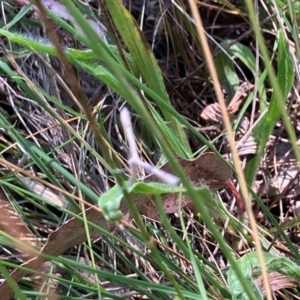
[12,224]
[212,112]
[206,169]
[277,282]
[246,145]
[239,96]
[287,168]
[286,175]
[172,202]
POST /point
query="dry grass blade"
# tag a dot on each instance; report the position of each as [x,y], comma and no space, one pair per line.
[44,192]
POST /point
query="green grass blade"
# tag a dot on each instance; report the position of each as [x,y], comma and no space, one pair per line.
[264,128]
[145,60]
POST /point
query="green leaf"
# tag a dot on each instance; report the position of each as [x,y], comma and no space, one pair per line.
[90,56]
[245,55]
[85,59]
[262,131]
[146,62]
[249,264]
[227,74]
[284,266]
[110,201]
